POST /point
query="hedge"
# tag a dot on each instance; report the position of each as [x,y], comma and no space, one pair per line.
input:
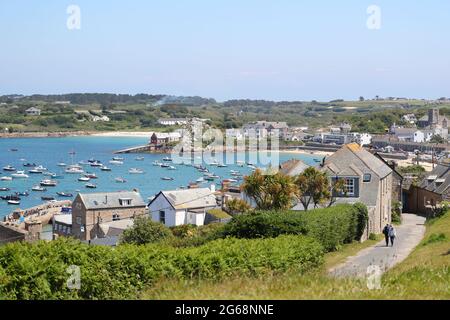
[332,226]
[39,271]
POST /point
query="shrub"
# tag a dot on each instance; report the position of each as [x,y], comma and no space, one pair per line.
[146,231]
[372,236]
[435,238]
[191,236]
[39,271]
[332,226]
[396,215]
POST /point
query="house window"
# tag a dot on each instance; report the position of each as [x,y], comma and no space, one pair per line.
[162,217]
[125,202]
[349,186]
[367,177]
[116,217]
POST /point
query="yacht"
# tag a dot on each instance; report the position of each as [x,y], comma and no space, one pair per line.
[6,178]
[20,175]
[22,194]
[116,162]
[157,163]
[91,186]
[38,188]
[135,171]
[84,179]
[14,202]
[64,194]
[4,189]
[61,164]
[29,165]
[46,198]
[9,168]
[165,165]
[74,169]
[11,197]
[118,159]
[91,176]
[96,164]
[120,180]
[48,183]
[105,168]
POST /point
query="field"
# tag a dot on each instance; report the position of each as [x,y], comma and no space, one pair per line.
[425,274]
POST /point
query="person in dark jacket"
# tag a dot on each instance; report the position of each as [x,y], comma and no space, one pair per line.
[386,234]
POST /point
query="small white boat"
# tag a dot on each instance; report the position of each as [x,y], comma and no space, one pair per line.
[118,159]
[222,165]
[135,171]
[61,164]
[140,159]
[74,170]
[9,168]
[48,183]
[167,159]
[167,179]
[96,164]
[84,179]
[172,168]
[105,168]
[120,180]
[116,162]
[6,178]
[38,188]
[157,163]
[214,163]
[91,186]
[14,202]
[200,180]
[20,175]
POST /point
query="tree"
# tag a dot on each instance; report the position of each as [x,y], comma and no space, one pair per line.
[314,187]
[237,206]
[361,98]
[270,191]
[146,231]
[437,139]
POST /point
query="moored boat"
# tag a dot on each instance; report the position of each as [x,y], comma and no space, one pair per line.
[120,180]
[167,179]
[4,189]
[14,202]
[47,198]
[38,188]
[84,179]
[64,194]
[20,175]
[91,186]
[135,171]
[48,183]
[105,168]
[9,168]
[6,179]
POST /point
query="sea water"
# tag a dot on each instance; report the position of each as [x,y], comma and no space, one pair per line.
[48,152]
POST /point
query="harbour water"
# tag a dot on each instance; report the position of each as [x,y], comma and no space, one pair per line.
[48,152]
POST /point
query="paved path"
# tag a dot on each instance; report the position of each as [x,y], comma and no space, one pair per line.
[409,234]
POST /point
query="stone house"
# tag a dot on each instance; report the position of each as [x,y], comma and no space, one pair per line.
[179,207]
[90,212]
[430,192]
[160,138]
[33,111]
[368,180]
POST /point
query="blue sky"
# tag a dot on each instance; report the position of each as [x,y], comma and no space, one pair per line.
[279,50]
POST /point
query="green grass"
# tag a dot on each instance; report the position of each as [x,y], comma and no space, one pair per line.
[425,274]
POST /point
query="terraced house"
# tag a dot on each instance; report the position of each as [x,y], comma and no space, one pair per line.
[367,179]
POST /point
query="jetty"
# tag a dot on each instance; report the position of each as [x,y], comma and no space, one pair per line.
[42,213]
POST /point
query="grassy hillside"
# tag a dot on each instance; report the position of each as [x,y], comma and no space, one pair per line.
[425,274]
[142,114]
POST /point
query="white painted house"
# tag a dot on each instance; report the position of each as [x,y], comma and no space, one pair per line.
[179,207]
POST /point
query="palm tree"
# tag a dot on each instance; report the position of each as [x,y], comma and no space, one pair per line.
[272,191]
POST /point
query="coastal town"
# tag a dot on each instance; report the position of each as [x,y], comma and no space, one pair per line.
[211,159]
[378,171]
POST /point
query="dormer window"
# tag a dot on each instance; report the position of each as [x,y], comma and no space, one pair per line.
[125,202]
[367,177]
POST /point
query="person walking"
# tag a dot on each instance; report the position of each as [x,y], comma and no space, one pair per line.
[392,234]
[386,234]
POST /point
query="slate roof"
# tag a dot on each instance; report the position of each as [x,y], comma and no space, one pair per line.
[189,199]
[338,162]
[110,200]
[437,181]
[293,167]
